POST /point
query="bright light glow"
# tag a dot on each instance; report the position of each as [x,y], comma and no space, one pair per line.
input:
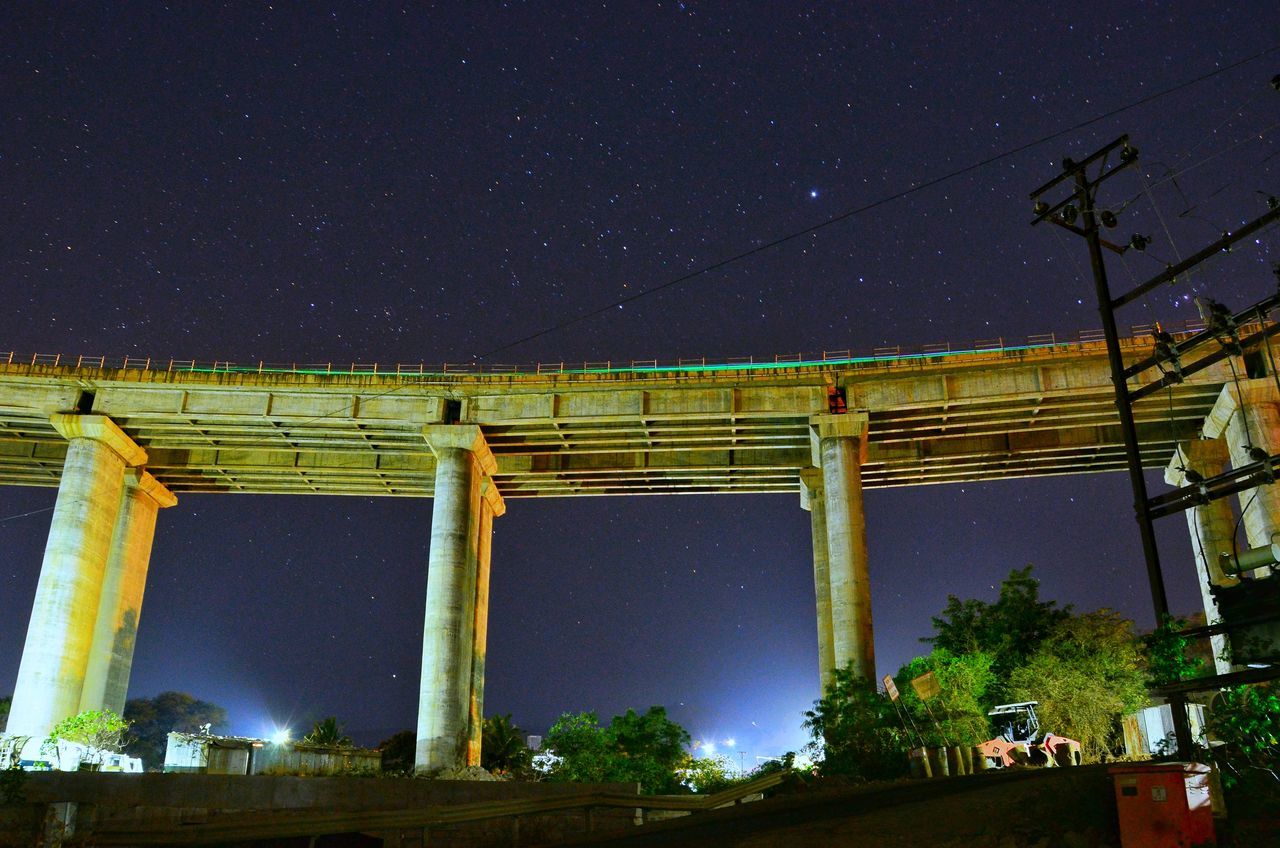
[730,742]
[280,737]
[813,192]
[709,748]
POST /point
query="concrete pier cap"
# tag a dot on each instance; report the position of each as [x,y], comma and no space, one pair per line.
[1247,415]
[828,425]
[102,429]
[468,437]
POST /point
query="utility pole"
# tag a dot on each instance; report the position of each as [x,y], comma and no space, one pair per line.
[1063,213]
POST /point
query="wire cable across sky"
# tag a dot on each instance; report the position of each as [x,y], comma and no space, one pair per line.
[867,207]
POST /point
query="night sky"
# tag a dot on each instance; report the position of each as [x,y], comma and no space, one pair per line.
[338,183]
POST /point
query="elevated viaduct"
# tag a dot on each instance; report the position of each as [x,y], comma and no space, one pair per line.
[122,440]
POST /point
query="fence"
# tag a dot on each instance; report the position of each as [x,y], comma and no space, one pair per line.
[997,347]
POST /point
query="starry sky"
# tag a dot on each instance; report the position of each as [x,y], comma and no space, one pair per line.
[439,182]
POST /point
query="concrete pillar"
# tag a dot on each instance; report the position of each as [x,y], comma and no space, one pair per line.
[839,445]
[106,680]
[1212,527]
[55,657]
[463,461]
[491,506]
[812,499]
[1250,413]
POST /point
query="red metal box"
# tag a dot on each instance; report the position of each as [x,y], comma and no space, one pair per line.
[1164,805]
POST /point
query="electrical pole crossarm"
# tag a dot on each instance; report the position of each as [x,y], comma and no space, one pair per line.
[1172,272]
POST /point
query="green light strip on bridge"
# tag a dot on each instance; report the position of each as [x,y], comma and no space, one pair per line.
[648,369]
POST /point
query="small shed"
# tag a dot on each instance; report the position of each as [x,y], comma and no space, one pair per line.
[189,752]
[1148,732]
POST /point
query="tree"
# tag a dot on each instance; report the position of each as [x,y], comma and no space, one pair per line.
[101,731]
[399,751]
[652,745]
[4,711]
[855,730]
[327,731]
[154,718]
[1086,674]
[1009,630]
[502,746]
[707,774]
[647,748]
[1169,659]
[960,709]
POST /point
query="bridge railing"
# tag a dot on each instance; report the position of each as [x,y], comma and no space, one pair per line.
[884,356]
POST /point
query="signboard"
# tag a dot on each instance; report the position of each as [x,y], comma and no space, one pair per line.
[890,688]
[926,686]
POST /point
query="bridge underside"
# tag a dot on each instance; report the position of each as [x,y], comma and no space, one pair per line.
[553,437]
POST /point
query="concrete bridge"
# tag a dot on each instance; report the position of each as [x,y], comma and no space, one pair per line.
[123,440]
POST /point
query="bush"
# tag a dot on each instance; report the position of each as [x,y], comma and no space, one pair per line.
[960,710]
[855,730]
[1246,720]
[100,731]
[646,748]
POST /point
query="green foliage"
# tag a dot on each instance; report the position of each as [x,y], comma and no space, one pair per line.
[154,718]
[787,762]
[1008,630]
[960,711]
[100,731]
[856,731]
[328,732]
[13,784]
[647,748]
[708,774]
[1087,673]
[502,747]
[399,751]
[5,702]
[1246,720]
[1168,660]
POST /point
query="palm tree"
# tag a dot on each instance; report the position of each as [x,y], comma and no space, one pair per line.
[327,731]
[502,747]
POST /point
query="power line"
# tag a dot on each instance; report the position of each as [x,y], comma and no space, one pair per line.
[25,514]
[706,269]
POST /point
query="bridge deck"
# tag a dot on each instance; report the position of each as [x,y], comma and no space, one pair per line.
[933,419]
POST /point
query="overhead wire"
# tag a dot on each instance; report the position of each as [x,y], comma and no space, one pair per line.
[25,514]
[1171,175]
[858,210]
[829,222]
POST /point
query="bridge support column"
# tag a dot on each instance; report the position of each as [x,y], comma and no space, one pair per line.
[491,507]
[839,443]
[1212,526]
[60,635]
[812,499]
[106,680]
[1244,415]
[465,503]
